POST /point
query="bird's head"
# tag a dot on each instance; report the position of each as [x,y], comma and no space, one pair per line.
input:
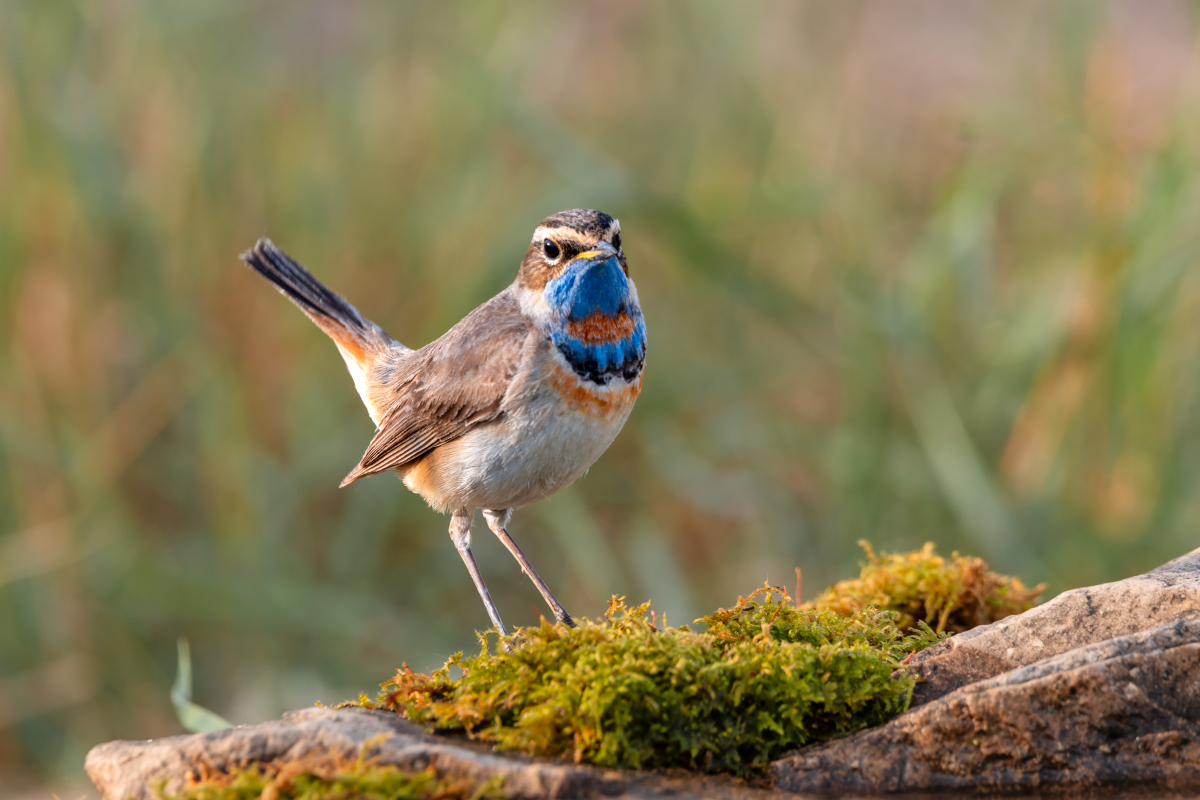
[575,281]
[572,242]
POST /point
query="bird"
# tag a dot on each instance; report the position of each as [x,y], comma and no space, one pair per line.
[514,402]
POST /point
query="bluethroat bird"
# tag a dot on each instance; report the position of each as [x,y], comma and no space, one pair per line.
[514,402]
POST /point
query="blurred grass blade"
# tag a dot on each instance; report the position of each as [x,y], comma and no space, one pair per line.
[960,470]
[191,716]
[584,544]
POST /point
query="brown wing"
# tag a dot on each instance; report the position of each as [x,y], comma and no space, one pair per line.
[441,391]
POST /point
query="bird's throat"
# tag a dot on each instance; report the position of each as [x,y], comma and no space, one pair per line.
[596,324]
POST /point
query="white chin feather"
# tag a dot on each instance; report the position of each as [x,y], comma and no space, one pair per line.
[534,306]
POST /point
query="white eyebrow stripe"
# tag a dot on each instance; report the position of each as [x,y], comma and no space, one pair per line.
[543,232]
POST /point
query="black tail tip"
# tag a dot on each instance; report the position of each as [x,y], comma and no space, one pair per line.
[260,250]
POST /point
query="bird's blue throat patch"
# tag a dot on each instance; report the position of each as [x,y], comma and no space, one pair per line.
[599,327]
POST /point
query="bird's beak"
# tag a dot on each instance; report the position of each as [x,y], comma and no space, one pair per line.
[601,252]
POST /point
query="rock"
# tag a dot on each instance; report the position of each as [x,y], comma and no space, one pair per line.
[1075,618]
[124,770]
[318,736]
[1118,711]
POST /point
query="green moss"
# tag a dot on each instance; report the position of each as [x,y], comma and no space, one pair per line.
[768,677]
[921,586]
[788,622]
[361,780]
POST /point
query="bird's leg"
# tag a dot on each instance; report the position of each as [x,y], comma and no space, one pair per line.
[498,522]
[460,534]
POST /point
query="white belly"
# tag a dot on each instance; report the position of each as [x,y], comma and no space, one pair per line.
[528,454]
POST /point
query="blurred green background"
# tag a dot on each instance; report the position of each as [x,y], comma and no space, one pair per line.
[911,270]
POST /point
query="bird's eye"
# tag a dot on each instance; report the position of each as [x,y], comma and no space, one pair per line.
[550,249]
[617,240]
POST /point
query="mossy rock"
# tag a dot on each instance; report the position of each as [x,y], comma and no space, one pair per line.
[767,675]
[362,780]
